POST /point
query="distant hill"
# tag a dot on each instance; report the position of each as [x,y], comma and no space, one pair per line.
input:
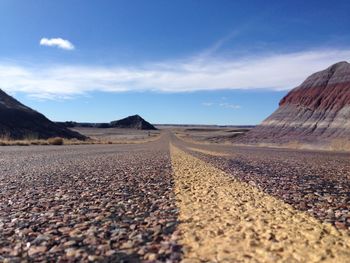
[317,110]
[131,122]
[18,121]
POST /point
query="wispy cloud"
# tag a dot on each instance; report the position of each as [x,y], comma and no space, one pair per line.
[207,104]
[57,42]
[269,71]
[225,105]
[218,45]
[229,106]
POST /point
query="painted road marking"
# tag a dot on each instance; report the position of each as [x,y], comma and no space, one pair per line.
[225,220]
[212,153]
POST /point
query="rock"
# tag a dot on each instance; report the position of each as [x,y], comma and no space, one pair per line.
[141,251]
[110,253]
[54,249]
[151,256]
[35,250]
[40,239]
[317,110]
[340,225]
[71,252]
[69,243]
[127,245]
[157,230]
[64,230]
[92,258]
[85,206]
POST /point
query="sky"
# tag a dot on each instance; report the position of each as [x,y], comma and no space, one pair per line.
[184,62]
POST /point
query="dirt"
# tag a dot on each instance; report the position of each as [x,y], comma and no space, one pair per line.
[117,134]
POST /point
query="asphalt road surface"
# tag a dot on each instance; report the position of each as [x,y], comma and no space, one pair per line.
[171,201]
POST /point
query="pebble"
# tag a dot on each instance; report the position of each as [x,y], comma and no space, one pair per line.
[87,203]
[35,250]
[317,182]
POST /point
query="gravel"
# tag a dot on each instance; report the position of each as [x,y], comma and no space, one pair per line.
[88,203]
[116,203]
[311,181]
[223,219]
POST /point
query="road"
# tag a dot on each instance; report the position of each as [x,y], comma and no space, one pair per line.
[171,200]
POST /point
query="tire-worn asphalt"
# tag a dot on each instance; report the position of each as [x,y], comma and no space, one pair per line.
[116,203]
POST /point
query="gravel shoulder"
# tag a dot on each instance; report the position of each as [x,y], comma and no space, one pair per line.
[226,220]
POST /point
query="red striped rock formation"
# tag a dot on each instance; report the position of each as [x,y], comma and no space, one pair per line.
[317,110]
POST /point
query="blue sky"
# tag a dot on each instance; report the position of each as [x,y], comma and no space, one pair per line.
[206,62]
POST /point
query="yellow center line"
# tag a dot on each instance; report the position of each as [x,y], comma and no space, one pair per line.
[208,152]
[225,220]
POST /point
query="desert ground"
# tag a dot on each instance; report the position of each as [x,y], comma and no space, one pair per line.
[172,200]
[210,134]
[232,136]
[117,134]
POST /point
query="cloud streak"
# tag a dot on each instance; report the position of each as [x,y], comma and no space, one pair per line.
[230,106]
[208,104]
[57,42]
[270,71]
[225,105]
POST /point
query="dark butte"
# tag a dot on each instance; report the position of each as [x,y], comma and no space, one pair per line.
[133,122]
[18,121]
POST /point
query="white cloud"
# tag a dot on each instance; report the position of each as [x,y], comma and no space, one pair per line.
[229,106]
[57,42]
[273,71]
[223,104]
[207,104]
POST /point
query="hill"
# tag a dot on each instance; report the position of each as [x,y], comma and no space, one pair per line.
[133,122]
[317,110]
[18,121]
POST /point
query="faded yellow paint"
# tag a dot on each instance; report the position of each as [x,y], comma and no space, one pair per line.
[225,220]
[208,152]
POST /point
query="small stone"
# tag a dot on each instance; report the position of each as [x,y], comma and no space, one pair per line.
[92,258]
[35,250]
[69,243]
[340,225]
[64,230]
[151,256]
[110,253]
[71,252]
[127,245]
[141,251]
[157,230]
[40,239]
[54,249]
